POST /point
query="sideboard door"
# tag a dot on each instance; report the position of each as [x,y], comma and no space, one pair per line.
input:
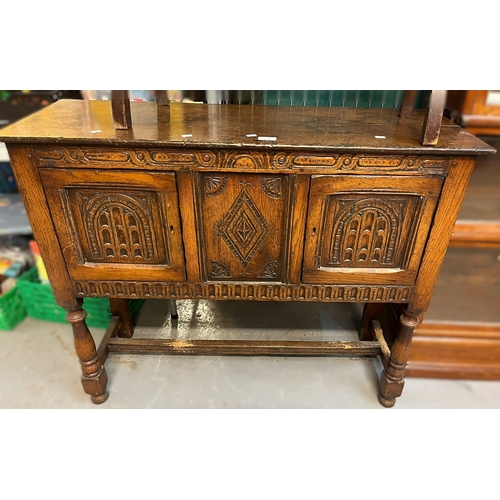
[368,229]
[244,219]
[116,225]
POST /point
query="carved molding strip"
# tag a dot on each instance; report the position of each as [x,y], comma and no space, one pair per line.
[349,162]
[61,156]
[235,160]
[243,291]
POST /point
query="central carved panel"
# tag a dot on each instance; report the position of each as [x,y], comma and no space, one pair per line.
[244,228]
[243,225]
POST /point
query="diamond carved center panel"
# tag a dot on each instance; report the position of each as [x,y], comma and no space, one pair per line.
[244,229]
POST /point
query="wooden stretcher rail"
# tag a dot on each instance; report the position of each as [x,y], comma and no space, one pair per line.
[113,329]
[243,347]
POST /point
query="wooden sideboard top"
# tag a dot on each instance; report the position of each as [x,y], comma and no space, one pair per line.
[375,130]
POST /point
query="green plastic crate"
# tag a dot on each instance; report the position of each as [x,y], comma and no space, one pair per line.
[12,309]
[40,303]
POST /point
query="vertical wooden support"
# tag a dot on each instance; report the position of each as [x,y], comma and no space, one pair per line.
[371,311]
[119,307]
[120,104]
[453,192]
[409,98]
[162,98]
[433,118]
[188,209]
[94,376]
[24,162]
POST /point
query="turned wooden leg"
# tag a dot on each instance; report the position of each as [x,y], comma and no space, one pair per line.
[119,307]
[94,376]
[392,378]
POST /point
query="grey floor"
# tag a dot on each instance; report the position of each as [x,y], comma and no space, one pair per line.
[39,368]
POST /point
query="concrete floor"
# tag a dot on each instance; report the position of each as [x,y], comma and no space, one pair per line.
[39,367]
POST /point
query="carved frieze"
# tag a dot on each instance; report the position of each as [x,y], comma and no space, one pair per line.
[61,156]
[241,160]
[360,162]
[243,291]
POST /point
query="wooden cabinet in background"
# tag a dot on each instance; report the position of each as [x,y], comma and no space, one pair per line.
[478,111]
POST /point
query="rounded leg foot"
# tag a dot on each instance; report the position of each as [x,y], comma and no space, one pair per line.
[94,377]
[387,402]
[99,400]
[392,379]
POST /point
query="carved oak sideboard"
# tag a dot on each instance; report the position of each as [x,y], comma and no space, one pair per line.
[241,203]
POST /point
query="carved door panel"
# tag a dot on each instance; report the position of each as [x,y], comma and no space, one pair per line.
[367,230]
[116,225]
[243,226]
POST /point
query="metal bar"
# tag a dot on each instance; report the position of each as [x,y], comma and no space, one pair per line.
[173,309]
